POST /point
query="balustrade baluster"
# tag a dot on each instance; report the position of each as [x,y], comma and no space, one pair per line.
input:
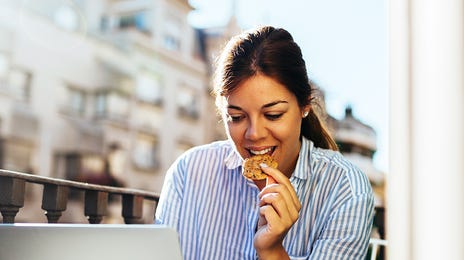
[11,197]
[96,204]
[132,208]
[54,201]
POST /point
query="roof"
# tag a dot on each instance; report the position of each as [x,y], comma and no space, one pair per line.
[352,130]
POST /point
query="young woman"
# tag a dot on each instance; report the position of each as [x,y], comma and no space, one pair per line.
[317,205]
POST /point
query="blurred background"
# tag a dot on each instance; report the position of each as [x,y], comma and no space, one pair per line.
[111,91]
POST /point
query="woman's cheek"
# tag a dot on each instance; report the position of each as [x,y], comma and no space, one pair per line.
[234,132]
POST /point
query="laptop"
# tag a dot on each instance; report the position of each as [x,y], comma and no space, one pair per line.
[24,241]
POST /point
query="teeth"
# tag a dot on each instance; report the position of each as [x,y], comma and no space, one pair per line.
[265,151]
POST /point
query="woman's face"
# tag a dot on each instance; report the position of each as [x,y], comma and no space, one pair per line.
[263,117]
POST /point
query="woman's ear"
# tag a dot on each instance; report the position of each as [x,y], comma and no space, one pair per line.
[305,111]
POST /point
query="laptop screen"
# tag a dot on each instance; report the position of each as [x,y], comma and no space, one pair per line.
[88,242]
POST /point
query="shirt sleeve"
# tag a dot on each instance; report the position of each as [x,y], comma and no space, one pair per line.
[347,231]
[169,206]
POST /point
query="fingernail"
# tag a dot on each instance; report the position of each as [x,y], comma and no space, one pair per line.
[263,165]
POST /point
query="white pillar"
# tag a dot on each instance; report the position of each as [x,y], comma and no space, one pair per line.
[398,199]
[426,180]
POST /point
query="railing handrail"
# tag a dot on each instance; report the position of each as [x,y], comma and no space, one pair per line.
[378,241]
[79,185]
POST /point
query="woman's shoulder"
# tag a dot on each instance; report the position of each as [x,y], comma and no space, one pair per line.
[334,163]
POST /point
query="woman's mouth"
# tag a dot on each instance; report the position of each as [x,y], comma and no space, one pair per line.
[268,151]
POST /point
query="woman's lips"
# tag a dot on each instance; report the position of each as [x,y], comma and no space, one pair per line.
[256,151]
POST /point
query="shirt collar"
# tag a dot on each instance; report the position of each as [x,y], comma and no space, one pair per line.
[303,164]
[233,160]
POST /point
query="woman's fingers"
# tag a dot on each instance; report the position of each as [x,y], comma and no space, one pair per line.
[275,176]
[288,213]
[274,222]
[280,194]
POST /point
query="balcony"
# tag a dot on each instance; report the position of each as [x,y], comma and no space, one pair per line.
[56,193]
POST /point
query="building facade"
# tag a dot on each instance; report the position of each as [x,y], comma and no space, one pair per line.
[108,92]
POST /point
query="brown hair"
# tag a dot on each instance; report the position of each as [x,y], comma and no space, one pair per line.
[272,52]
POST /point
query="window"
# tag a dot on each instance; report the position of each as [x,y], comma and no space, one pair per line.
[20,84]
[136,20]
[111,103]
[100,104]
[15,81]
[128,14]
[187,103]
[172,35]
[145,152]
[77,99]
[149,88]
[118,104]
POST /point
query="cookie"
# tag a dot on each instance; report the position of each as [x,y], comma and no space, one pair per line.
[252,170]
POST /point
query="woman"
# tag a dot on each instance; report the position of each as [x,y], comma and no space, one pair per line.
[317,204]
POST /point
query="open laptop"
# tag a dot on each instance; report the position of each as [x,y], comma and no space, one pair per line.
[88,242]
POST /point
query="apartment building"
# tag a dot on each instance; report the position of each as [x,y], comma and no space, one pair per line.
[103,91]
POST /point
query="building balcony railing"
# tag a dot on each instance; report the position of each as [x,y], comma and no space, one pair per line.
[55,197]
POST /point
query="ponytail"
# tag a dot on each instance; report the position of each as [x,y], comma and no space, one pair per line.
[315,130]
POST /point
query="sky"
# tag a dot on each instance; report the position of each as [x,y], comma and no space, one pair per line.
[344,44]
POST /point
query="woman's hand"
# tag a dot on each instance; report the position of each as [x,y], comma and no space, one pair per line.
[279,210]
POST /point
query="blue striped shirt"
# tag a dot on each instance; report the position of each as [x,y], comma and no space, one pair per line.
[215,209]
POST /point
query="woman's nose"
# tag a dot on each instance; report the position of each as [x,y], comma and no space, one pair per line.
[255,130]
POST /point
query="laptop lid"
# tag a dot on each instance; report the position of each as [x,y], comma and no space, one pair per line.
[88,242]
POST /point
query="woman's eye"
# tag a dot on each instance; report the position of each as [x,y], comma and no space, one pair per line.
[273,116]
[234,118]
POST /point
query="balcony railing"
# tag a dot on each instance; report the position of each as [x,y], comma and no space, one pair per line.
[55,197]
[375,245]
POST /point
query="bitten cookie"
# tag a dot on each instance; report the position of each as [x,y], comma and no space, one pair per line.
[252,170]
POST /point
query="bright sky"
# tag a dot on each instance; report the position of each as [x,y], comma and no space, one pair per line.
[344,44]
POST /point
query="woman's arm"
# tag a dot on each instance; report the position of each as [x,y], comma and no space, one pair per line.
[170,203]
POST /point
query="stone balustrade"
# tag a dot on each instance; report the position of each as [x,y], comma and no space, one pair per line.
[55,197]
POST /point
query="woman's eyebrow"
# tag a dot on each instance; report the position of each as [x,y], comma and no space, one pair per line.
[274,103]
[234,107]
